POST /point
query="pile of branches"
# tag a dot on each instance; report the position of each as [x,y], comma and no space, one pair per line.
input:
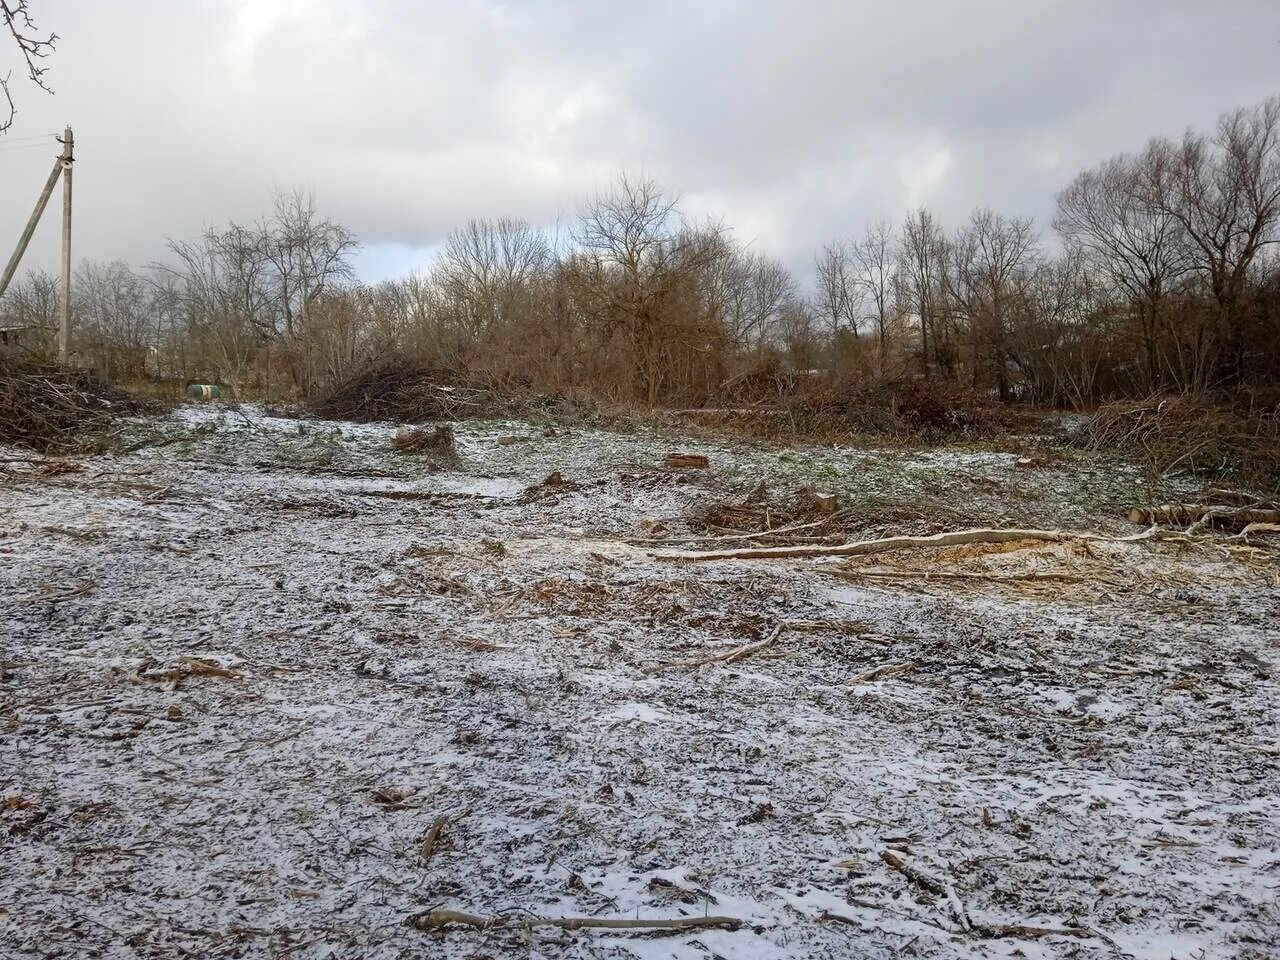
[1194,434]
[409,391]
[904,408]
[766,382]
[52,409]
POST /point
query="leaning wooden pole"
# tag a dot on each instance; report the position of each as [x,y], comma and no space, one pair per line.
[64,326]
[30,228]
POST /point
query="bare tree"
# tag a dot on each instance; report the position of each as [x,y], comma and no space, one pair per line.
[988,255]
[875,265]
[839,294]
[1224,192]
[113,318]
[227,295]
[634,274]
[303,255]
[748,292]
[1106,215]
[486,273]
[921,280]
[31,47]
[31,304]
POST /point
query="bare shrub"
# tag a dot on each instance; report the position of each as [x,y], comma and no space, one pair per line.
[1184,432]
[907,408]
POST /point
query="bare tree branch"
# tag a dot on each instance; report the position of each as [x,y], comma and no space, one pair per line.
[17,18]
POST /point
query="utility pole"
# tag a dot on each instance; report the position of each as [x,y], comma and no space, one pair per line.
[64,328]
[30,228]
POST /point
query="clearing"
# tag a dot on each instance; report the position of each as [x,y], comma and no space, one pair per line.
[273,689]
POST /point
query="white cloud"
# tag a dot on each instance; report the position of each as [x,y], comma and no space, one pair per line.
[794,121]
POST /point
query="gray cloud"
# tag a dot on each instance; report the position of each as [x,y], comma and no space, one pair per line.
[794,122]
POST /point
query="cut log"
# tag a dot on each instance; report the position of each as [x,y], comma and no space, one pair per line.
[1202,515]
[414,440]
[686,461]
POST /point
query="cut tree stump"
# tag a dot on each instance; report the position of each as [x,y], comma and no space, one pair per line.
[686,461]
[820,501]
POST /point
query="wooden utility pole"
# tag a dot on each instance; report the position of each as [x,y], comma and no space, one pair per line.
[34,219]
[64,327]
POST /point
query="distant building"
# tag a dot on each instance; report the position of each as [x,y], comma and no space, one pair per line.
[11,335]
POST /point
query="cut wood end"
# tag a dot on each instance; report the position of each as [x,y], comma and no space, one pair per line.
[687,461]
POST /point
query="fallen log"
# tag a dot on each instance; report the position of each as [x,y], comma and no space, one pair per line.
[1258,528]
[1198,516]
[929,575]
[864,547]
[439,919]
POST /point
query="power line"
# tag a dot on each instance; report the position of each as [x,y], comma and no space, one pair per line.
[22,146]
[31,136]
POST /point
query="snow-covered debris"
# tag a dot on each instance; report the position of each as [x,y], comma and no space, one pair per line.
[272,689]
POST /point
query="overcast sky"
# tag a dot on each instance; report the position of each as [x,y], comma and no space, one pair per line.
[795,122]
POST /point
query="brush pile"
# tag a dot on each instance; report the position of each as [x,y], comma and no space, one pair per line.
[54,410]
[410,391]
[903,408]
[1192,434]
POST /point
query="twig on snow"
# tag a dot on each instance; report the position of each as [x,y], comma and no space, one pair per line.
[431,839]
[727,656]
[885,672]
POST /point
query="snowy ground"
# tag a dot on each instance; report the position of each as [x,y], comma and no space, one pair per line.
[246,667]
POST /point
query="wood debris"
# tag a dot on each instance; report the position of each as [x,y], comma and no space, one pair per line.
[686,461]
[439,919]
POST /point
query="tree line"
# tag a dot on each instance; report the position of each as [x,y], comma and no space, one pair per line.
[1159,273]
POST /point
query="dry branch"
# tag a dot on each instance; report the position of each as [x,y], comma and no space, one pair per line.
[439,919]
[1023,932]
[63,593]
[727,656]
[431,839]
[884,672]
[938,885]
[957,575]
[864,547]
